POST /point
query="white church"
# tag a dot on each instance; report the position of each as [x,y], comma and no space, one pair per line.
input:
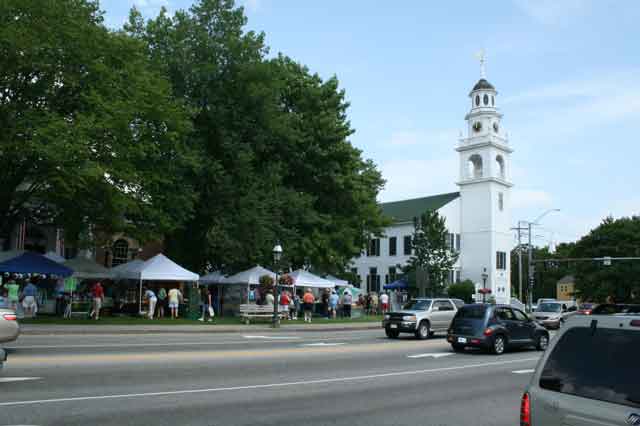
[477,216]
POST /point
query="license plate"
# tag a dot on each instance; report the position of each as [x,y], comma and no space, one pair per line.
[462,340]
[393,326]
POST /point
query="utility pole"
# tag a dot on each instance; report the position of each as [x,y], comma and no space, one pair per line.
[530,298]
[520,229]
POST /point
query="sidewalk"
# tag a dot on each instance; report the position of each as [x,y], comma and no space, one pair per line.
[54,329]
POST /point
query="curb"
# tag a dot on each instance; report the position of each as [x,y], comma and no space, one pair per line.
[102,330]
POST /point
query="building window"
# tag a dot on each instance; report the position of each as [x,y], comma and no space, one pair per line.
[407,245]
[393,243]
[120,252]
[501,260]
[373,249]
[477,100]
[373,280]
[485,98]
[457,242]
[474,167]
[392,273]
[500,201]
[458,276]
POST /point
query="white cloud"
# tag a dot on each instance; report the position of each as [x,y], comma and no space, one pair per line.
[552,11]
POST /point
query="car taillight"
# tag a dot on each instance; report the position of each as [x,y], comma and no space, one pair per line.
[635,323]
[10,317]
[525,411]
[488,332]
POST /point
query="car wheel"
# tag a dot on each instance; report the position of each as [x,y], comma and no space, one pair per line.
[392,334]
[458,348]
[542,342]
[423,330]
[499,344]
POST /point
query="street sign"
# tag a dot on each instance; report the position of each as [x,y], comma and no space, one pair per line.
[606,261]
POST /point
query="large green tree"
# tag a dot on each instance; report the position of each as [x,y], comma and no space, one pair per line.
[91,134]
[272,139]
[431,252]
[620,280]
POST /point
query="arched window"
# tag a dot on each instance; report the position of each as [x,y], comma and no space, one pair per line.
[493,102]
[486,99]
[474,165]
[500,166]
[500,201]
[477,100]
[120,252]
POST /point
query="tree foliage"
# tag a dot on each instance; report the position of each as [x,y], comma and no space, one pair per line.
[431,252]
[462,290]
[272,139]
[91,134]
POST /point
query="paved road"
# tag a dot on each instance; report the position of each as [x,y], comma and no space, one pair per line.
[332,378]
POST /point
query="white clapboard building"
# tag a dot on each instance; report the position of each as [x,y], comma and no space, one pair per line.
[477,215]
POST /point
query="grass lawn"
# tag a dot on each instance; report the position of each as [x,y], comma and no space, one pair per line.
[126,320]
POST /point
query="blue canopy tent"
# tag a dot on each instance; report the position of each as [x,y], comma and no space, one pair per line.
[397,285]
[33,263]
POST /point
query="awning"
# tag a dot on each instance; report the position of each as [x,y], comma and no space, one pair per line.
[129,270]
[33,263]
[302,278]
[216,277]
[249,277]
[52,255]
[161,268]
[87,269]
[397,285]
[337,281]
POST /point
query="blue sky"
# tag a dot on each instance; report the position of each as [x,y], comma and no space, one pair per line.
[567,72]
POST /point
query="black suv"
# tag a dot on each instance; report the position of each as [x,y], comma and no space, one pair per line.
[495,328]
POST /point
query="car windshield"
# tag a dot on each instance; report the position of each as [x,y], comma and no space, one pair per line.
[471,312]
[418,305]
[550,307]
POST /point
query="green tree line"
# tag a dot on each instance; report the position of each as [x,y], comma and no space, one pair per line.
[181,128]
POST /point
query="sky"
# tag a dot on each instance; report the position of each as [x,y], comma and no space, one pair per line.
[567,73]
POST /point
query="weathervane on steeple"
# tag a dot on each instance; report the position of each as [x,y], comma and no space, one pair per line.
[481,55]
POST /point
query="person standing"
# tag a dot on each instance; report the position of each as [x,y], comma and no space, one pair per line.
[98,298]
[284,304]
[29,303]
[175,296]
[13,295]
[308,301]
[59,293]
[296,306]
[333,304]
[268,299]
[347,300]
[325,304]
[153,300]
[384,301]
[205,297]
[162,301]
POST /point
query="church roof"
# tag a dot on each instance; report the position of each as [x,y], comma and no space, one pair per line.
[406,210]
[483,84]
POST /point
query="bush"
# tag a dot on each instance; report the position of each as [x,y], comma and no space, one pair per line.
[462,290]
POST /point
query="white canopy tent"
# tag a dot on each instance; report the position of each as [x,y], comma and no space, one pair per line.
[158,268]
[250,276]
[87,269]
[52,255]
[337,281]
[302,278]
[127,270]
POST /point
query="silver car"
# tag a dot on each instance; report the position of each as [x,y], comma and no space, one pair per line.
[589,375]
[553,314]
[421,317]
[9,330]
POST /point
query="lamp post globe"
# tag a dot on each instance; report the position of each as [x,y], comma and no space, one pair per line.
[277,255]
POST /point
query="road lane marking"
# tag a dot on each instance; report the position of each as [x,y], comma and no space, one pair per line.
[17,379]
[528,371]
[272,337]
[323,344]
[266,386]
[433,355]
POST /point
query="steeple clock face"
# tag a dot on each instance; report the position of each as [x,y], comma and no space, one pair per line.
[477,126]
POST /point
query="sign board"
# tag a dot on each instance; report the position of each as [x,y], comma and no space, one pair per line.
[606,261]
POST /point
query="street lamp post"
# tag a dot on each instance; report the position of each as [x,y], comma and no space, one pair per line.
[277,255]
[484,284]
[531,271]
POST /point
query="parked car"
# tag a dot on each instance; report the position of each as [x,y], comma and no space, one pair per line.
[9,330]
[588,376]
[586,308]
[422,317]
[554,314]
[495,328]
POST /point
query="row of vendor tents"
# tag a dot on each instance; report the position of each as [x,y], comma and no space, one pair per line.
[157,268]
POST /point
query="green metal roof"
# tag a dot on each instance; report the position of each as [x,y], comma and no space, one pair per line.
[406,210]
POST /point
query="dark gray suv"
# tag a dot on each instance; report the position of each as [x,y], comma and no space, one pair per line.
[495,328]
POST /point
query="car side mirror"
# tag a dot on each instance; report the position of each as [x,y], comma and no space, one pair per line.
[573,309]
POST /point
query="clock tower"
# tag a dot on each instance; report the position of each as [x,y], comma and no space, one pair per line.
[485,195]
